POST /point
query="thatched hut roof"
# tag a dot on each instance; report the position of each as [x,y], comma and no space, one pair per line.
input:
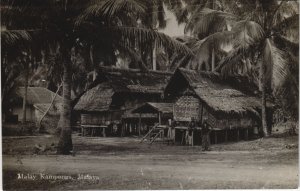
[151,107]
[98,98]
[38,95]
[112,81]
[133,80]
[219,94]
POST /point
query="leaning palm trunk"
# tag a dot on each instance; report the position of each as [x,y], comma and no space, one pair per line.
[65,140]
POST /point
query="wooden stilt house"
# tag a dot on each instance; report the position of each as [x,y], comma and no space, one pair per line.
[229,107]
[115,93]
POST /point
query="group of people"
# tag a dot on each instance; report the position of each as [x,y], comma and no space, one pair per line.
[205,133]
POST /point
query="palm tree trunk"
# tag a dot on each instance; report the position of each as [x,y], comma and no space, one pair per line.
[154,20]
[25,92]
[264,128]
[154,56]
[213,58]
[65,141]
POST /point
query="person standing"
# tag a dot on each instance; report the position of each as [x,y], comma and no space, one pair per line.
[205,136]
[189,132]
[171,131]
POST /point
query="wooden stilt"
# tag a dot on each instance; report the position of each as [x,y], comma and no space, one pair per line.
[140,124]
[226,136]
[192,138]
[216,137]
[122,129]
[103,132]
[159,118]
[238,134]
[246,134]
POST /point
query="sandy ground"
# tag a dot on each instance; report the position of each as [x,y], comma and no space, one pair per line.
[124,163]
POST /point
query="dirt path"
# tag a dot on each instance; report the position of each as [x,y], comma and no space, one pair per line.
[209,170]
[123,163]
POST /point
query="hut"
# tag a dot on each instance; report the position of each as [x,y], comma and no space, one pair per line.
[229,106]
[107,106]
[37,98]
[163,112]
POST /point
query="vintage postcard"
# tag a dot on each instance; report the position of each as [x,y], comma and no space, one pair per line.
[149,94]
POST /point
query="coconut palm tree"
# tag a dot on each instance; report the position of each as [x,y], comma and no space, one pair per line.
[66,23]
[254,30]
[14,59]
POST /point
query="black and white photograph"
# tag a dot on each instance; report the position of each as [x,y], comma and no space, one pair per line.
[149,94]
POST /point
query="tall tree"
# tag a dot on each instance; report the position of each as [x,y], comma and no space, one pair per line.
[66,23]
[254,30]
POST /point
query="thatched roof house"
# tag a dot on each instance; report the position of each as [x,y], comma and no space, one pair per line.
[38,99]
[225,103]
[38,95]
[117,91]
[218,94]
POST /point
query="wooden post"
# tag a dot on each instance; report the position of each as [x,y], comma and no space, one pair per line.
[140,124]
[216,137]
[159,118]
[226,136]
[192,138]
[246,134]
[238,134]
[201,113]
[103,132]
[82,131]
[122,128]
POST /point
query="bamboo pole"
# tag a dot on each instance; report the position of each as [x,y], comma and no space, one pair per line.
[40,121]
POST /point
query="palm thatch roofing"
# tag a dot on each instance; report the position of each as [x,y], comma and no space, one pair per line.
[113,81]
[38,95]
[98,98]
[133,80]
[219,94]
[151,107]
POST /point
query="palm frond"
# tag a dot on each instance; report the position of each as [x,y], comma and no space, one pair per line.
[247,33]
[13,37]
[131,36]
[287,45]
[232,58]
[292,21]
[208,21]
[275,62]
[109,9]
[285,9]
[215,40]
